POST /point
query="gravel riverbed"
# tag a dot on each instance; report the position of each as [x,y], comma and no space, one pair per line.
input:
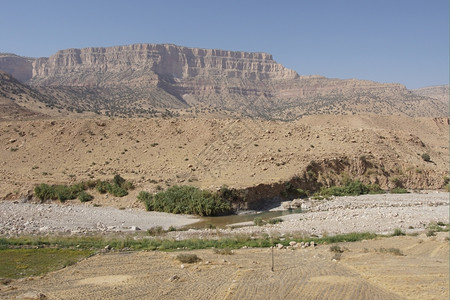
[18,218]
[367,213]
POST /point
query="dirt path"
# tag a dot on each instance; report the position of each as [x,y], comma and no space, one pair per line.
[363,272]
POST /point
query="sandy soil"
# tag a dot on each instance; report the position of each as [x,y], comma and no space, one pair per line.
[209,153]
[363,272]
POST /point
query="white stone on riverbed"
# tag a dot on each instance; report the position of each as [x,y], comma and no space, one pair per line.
[373,213]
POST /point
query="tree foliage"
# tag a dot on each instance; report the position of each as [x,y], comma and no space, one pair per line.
[185,200]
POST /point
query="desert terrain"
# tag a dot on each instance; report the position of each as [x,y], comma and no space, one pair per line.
[209,153]
[166,115]
[418,269]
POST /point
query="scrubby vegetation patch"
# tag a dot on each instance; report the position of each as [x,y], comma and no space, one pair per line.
[185,200]
[117,187]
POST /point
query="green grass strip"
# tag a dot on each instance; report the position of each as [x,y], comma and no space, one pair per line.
[19,263]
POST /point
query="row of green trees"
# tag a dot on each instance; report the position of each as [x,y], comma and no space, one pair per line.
[186,200]
[189,199]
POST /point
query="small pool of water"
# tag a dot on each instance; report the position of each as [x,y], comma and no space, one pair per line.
[222,221]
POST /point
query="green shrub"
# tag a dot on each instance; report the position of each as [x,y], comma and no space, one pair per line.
[399,190]
[275,221]
[185,200]
[127,185]
[85,197]
[375,189]
[188,258]
[258,221]
[146,198]
[60,192]
[430,232]
[229,195]
[301,193]
[157,230]
[426,157]
[117,190]
[63,193]
[118,187]
[350,188]
[398,232]
[434,227]
[102,187]
[44,192]
[118,180]
[446,180]
[336,249]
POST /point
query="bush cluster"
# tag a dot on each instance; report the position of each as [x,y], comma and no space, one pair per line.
[351,188]
[188,258]
[258,221]
[426,157]
[399,190]
[185,200]
[117,187]
[61,192]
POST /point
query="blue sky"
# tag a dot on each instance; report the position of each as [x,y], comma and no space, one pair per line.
[404,41]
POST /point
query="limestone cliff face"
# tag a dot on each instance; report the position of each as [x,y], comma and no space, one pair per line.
[136,79]
[19,67]
[145,63]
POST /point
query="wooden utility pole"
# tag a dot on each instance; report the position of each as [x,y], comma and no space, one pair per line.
[272,260]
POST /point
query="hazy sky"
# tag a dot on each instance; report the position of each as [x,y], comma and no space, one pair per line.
[405,41]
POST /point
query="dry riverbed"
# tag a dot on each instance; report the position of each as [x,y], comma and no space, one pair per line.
[368,213]
[399,267]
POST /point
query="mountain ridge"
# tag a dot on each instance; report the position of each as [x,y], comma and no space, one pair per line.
[136,80]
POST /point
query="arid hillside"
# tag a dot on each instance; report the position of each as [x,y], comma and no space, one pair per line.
[210,153]
[439,92]
[210,118]
[16,99]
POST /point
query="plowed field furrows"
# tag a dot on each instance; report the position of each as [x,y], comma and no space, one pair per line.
[363,272]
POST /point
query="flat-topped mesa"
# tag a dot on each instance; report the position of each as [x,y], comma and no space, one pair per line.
[145,62]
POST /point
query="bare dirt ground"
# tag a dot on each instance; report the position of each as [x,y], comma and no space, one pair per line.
[239,153]
[209,153]
[416,268]
[364,271]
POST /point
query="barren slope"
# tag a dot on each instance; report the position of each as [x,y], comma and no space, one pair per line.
[439,92]
[209,153]
[14,99]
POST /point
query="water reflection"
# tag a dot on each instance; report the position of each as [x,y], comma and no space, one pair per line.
[222,221]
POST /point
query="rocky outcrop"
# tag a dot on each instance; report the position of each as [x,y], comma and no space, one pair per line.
[135,80]
[142,64]
[19,67]
[439,92]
